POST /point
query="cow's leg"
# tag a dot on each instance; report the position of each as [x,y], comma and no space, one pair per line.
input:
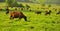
[12,17]
[19,18]
[49,13]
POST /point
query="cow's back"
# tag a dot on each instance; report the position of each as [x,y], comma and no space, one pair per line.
[17,14]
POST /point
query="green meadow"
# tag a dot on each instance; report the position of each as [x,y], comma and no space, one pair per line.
[35,22]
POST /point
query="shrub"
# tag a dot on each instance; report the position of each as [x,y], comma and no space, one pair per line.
[11,3]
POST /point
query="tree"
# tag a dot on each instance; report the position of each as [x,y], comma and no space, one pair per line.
[21,5]
[11,3]
[27,6]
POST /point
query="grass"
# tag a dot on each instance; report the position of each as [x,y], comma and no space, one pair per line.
[37,22]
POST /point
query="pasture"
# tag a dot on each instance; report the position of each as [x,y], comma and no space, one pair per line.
[36,22]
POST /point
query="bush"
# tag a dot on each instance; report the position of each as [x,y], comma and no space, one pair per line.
[27,6]
[43,5]
[49,5]
[11,3]
[21,5]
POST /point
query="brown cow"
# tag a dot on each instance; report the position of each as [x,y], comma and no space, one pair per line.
[1,9]
[58,12]
[19,15]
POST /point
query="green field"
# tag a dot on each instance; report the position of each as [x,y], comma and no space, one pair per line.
[35,22]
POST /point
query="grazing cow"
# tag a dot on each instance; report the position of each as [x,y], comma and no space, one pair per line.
[58,12]
[7,10]
[19,15]
[1,9]
[38,12]
[48,12]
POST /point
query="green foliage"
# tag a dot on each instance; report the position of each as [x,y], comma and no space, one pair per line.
[49,5]
[27,6]
[21,5]
[11,3]
[43,5]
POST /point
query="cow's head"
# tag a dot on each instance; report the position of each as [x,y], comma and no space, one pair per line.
[25,18]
